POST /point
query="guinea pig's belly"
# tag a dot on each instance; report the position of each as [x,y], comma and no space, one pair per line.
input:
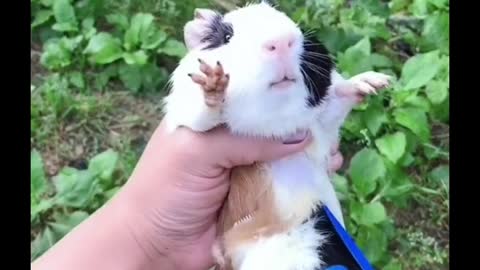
[299,185]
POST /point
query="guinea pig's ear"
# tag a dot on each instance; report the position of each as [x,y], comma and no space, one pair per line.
[195,30]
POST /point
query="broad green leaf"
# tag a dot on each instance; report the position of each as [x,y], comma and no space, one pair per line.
[366,168]
[419,8]
[104,164]
[139,25]
[76,78]
[439,3]
[368,214]
[373,242]
[66,223]
[105,75]
[414,119]
[418,101]
[374,117]
[88,28]
[64,15]
[397,5]
[152,38]
[42,206]
[173,48]
[55,56]
[380,61]
[341,186]
[153,76]
[103,48]
[393,265]
[71,43]
[41,17]
[118,19]
[75,188]
[436,32]
[138,58]
[356,59]
[131,76]
[43,242]
[406,160]
[392,145]
[440,174]
[38,182]
[437,91]
[420,69]
[110,193]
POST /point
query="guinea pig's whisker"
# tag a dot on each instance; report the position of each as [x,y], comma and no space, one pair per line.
[309,81]
[317,69]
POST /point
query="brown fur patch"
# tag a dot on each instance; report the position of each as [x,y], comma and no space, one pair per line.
[251,193]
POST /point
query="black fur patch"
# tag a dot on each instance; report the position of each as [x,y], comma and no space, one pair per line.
[334,251]
[316,65]
[219,33]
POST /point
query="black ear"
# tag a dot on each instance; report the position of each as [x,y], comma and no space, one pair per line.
[270,2]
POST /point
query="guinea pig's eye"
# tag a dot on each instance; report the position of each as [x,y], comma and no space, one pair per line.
[227,37]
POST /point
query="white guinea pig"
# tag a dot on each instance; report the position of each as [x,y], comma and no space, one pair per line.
[254,70]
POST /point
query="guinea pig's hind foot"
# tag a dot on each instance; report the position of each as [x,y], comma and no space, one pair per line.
[214,82]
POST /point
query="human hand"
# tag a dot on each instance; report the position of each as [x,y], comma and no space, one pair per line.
[179,185]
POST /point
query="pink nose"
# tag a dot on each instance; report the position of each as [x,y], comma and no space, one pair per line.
[280,45]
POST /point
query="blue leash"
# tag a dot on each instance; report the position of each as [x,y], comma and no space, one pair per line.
[341,252]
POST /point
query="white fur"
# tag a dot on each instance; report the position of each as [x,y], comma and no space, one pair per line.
[252,108]
[295,249]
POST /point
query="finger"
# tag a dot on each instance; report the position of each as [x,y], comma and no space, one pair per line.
[206,69]
[336,162]
[235,150]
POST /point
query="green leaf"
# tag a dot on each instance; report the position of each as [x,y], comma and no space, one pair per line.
[110,193]
[75,188]
[368,214]
[41,17]
[119,20]
[440,174]
[392,145]
[39,207]
[419,8]
[374,117]
[152,38]
[437,91]
[436,32]
[153,76]
[380,61]
[173,48]
[38,182]
[136,58]
[366,168]
[393,265]
[439,3]
[104,164]
[66,223]
[373,242]
[55,55]
[140,24]
[131,76]
[43,242]
[356,59]
[76,78]
[65,16]
[414,119]
[418,101]
[420,69]
[341,186]
[88,28]
[103,48]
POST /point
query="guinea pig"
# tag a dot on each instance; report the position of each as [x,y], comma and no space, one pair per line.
[254,70]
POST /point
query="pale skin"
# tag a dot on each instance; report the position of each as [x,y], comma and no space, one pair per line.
[164,217]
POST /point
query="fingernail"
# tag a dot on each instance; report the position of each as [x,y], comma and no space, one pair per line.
[299,137]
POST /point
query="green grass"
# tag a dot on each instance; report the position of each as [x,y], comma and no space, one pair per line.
[97,81]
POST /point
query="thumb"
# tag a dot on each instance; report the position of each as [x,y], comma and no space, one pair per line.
[237,150]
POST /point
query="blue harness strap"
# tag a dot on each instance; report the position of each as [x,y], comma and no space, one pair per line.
[340,252]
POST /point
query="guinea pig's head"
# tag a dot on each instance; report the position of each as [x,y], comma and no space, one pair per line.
[278,78]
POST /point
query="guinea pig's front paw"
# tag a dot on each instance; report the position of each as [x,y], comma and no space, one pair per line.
[214,81]
[365,84]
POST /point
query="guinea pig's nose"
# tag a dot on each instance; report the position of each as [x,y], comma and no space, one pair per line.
[280,45]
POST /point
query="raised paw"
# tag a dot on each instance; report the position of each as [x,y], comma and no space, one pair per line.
[364,84]
[213,82]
